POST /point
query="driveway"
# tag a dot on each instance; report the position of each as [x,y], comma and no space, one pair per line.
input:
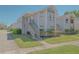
[6,41]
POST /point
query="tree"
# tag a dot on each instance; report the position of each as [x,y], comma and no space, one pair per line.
[75,12]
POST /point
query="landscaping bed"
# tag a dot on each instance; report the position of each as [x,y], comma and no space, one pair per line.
[67,49]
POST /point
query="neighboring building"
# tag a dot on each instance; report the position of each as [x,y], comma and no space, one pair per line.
[17,24]
[66,22]
[3,27]
[77,24]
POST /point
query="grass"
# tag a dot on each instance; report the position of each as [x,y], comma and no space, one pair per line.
[63,38]
[26,42]
[67,49]
[23,42]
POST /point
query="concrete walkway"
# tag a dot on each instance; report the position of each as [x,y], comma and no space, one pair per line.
[6,41]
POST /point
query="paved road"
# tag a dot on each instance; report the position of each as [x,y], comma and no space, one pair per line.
[6,41]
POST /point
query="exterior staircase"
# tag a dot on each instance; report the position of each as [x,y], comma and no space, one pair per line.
[33,28]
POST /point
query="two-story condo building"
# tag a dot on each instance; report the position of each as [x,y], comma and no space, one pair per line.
[40,23]
[47,22]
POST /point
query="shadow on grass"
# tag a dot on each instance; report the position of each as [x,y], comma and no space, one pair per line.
[23,38]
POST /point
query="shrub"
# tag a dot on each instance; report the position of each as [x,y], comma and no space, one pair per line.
[67,30]
[70,31]
[16,31]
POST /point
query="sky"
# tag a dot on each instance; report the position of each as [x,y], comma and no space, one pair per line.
[10,13]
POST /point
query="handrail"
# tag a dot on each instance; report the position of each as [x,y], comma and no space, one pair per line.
[33,25]
[35,28]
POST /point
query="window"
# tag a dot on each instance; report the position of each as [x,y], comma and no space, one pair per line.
[71,21]
[66,20]
[25,20]
[41,29]
[41,26]
[50,17]
[24,25]
[30,20]
[28,33]
[41,15]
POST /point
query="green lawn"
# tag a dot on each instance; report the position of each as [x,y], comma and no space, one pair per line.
[25,42]
[67,49]
[63,38]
